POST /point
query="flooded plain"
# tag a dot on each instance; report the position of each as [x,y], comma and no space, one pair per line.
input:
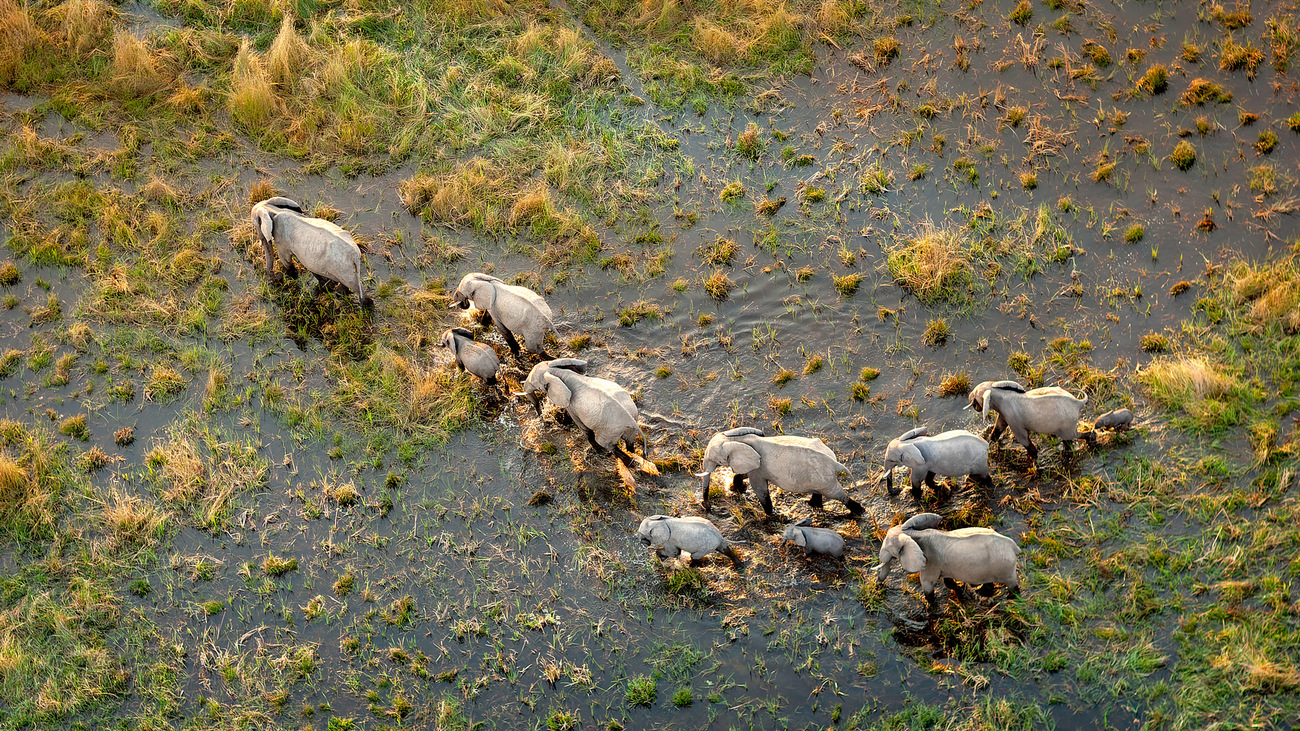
[264,508]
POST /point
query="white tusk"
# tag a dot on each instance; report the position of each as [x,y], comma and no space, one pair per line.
[877,567]
[702,474]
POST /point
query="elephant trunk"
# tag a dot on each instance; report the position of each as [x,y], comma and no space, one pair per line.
[882,570]
[536,401]
[889,480]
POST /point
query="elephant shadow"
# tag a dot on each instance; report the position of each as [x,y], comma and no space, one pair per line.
[316,312]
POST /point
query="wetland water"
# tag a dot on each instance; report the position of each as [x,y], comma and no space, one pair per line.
[288,541]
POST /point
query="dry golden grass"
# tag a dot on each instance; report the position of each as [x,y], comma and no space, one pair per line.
[833,18]
[715,43]
[137,71]
[131,521]
[159,192]
[16,489]
[252,99]
[84,24]
[534,202]
[1175,381]
[931,265]
[288,55]
[19,34]
[1273,293]
[182,470]
[452,198]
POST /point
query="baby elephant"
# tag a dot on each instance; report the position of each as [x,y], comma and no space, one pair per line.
[1121,420]
[480,359]
[673,536]
[950,454]
[969,555]
[815,540]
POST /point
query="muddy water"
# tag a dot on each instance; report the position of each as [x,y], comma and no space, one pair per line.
[787,641]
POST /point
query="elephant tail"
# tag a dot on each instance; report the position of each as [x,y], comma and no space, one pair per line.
[361,292]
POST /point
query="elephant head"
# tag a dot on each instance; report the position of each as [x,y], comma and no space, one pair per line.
[725,451]
[476,287]
[977,394]
[901,546]
[265,219]
[448,339]
[901,453]
[795,535]
[653,530]
[535,385]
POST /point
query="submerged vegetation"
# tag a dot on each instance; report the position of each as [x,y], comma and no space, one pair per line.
[227,502]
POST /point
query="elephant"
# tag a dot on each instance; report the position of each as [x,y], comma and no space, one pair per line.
[950,454]
[1120,420]
[602,409]
[322,248]
[969,555]
[696,536]
[480,359]
[1051,410]
[514,309]
[795,464]
[815,540]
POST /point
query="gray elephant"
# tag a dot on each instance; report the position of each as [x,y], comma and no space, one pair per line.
[671,537]
[795,464]
[322,248]
[1118,420]
[1050,410]
[969,555]
[515,310]
[950,454]
[815,540]
[602,409]
[480,359]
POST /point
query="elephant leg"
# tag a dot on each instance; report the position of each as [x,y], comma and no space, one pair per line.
[815,500]
[562,417]
[622,456]
[939,490]
[510,340]
[951,584]
[999,427]
[738,484]
[987,589]
[1090,437]
[918,480]
[591,439]
[730,553]
[761,490]
[485,318]
[1029,447]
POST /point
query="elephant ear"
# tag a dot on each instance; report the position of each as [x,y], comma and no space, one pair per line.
[922,521]
[265,224]
[743,431]
[911,557]
[557,391]
[282,202]
[482,291]
[910,456]
[462,332]
[920,431]
[800,539]
[569,364]
[659,533]
[741,457]
[1008,386]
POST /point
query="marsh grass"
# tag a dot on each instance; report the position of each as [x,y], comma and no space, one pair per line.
[935,266]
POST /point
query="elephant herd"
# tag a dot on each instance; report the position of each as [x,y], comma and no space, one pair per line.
[607,415]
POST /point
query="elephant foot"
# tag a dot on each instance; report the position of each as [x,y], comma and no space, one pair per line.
[986,589]
[815,501]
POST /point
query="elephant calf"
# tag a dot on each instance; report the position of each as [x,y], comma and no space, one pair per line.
[815,540]
[480,359]
[695,536]
[950,454]
[1120,420]
[969,555]
[795,464]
